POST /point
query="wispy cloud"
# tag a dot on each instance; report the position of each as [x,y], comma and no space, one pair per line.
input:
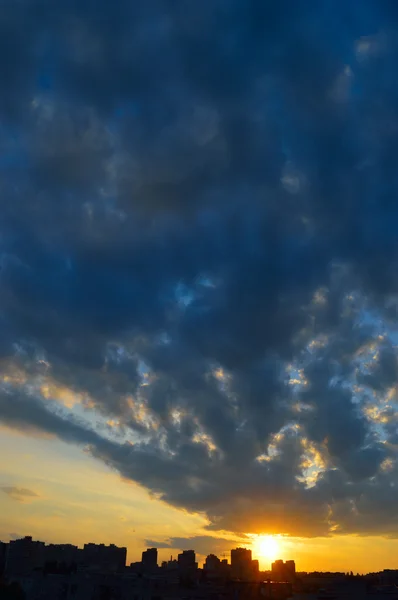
[19,494]
[203,544]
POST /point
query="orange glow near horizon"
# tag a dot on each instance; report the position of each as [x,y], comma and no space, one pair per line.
[78,500]
[267,548]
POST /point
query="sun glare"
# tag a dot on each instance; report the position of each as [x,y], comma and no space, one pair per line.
[266,547]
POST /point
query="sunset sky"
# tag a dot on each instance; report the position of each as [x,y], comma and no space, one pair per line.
[199,277]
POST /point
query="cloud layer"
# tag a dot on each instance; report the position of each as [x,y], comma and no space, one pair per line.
[198,251]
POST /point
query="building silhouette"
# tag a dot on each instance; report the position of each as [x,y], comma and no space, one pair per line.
[214,569]
[3,555]
[212,563]
[290,570]
[150,559]
[255,569]
[283,571]
[103,558]
[24,556]
[187,560]
[241,564]
[61,555]
[187,566]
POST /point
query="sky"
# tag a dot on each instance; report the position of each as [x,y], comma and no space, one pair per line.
[198,276]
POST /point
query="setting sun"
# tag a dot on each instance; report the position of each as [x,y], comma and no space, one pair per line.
[266,547]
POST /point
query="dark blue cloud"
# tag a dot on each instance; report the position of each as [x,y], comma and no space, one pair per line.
[198,241]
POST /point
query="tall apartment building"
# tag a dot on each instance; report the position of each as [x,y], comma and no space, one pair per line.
[150,559]
[241,563]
